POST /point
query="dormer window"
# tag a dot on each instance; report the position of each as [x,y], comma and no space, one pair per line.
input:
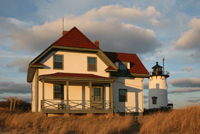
[58,61]
[122,66]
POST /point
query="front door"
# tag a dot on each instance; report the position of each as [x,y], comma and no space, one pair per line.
[97,97]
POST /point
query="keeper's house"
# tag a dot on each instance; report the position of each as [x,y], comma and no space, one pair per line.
[73,75]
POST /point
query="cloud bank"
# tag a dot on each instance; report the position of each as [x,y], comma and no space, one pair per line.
[109,24]
[26,97]
[184,90]
[15,88]
[185,82]
[21,63]
[187,85]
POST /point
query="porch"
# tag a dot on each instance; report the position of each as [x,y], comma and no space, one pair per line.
[82,93]
[75,106]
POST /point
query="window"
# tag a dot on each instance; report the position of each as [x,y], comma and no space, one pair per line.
[122,95]
[154,100]
[58,92]
[92,64]
[58,62]
[122,66]
[97,94]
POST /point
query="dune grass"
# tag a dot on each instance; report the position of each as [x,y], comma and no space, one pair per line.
[182,121]
[38,123]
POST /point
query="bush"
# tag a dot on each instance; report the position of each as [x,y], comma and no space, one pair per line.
[21,106]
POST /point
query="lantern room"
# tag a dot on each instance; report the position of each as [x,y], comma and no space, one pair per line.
[158,70]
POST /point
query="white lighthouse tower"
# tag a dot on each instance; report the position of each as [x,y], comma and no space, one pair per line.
[158,87]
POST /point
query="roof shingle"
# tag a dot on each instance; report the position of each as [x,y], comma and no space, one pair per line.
[38,63]
[75,38]
[110,68]
[77,75]
[136,65]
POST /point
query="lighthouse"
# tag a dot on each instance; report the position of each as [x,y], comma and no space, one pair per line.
[158,87]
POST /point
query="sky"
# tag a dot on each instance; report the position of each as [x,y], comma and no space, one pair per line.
[152,29]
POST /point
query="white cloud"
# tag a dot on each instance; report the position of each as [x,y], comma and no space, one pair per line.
[155,22]
[194,100]
[120,12]
[190,39]
[184,90]
[21,63]
[189,69]
[146,85]
[108,27]
[25,97]
[14,88]
[185,82]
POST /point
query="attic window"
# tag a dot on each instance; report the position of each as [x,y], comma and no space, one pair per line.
[58,62]
[92,64]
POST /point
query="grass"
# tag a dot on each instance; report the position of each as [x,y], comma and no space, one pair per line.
[182,121]
[38,123]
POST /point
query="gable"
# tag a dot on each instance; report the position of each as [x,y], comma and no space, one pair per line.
[136,66]
[73,41]
[75,38]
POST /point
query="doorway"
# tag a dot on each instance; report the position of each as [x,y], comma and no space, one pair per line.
[97,98]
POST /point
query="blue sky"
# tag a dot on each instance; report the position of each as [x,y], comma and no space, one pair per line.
[151,29]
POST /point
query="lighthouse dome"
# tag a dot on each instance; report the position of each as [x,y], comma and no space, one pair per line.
[157,70]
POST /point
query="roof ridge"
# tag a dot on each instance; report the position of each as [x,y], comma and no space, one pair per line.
[85,36]
[63,35]
[119,52]
[70,31]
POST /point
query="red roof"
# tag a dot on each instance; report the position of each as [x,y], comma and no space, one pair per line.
[136,65]
[38,64]
[77,75]
[75,38]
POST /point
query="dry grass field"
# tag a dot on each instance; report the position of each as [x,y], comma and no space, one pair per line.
[38,123]
[183,121]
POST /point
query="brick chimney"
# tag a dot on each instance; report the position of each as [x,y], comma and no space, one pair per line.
[64,32]
[96,42]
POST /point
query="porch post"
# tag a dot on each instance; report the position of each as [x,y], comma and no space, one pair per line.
[90,86]
[111,95]
[67,83]
[43,94]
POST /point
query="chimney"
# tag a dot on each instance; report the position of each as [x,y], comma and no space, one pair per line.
[64,32]
[96,43]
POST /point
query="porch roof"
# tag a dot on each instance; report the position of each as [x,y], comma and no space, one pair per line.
[75,77]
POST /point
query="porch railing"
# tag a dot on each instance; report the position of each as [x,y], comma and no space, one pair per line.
[117,107]
[73,105]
